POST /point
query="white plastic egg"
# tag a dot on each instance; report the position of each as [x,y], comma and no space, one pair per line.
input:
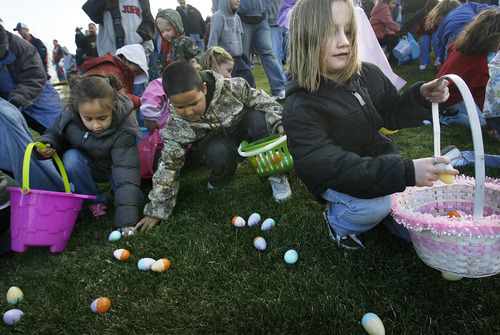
[145,264]
[12,316]
[260,243]
[114,236]
[238,221]
[267,224]
[253,219]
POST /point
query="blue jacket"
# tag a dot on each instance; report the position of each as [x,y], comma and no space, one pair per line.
[23,80]
[254,7]
[454,22]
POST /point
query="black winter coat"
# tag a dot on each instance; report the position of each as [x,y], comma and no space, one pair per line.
[114,150]
[333,134]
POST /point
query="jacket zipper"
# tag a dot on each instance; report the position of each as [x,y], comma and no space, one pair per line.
[85,137]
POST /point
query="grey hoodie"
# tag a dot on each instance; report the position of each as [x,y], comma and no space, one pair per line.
[226,29]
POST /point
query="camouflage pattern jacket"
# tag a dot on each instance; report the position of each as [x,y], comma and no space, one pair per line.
[232,98]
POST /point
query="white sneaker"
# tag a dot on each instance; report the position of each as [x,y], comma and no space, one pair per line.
[422,67]
[281,95]
[210,186]
[280,186]
[454,155]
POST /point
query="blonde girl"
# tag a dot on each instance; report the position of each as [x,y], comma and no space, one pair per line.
[218,60]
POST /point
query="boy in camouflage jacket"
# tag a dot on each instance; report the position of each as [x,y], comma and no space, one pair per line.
[212,115]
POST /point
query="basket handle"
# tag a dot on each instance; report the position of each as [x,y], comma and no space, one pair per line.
[268,147]
[26,167]
[477,139]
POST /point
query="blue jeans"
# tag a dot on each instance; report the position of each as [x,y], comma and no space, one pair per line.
[277,42]
[84,175]
[494,122]
[138,91]
[468,159]
[241,69]
[15,136]
[258,37]
[199,41]
[349,215]
[462,117]
[425,47]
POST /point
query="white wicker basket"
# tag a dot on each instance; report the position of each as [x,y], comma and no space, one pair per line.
[470,246]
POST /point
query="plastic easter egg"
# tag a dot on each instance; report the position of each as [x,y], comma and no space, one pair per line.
[238,221]
[114,236]
[253,219]
[12,316]
[160,265]
[446,178]
[100,305]
[130,232]
[456,214]
[145,264]
[260,243]
[121,254]
[450,277]
[372,324]
[14,295]
[267,224]
[291,256]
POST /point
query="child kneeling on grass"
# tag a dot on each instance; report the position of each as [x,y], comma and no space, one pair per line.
[213,115]
[96,137]
[335,106]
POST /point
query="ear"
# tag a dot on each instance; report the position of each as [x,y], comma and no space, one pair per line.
[205,90]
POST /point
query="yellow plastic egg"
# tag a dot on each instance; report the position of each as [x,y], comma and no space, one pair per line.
[446,178]
[450,277]
[14,295]
[160,265]
[372,324]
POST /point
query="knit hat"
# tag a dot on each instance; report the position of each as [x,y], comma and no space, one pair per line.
[136,54]
[20,26]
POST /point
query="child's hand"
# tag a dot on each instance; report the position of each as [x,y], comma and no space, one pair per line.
[151,125]
[436,90]
[46,153]
[426,171]
[147,223]
[281,130]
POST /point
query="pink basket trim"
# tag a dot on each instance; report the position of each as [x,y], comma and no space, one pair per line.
[427,217]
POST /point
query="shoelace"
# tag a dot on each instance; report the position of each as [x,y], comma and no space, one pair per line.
[98,210]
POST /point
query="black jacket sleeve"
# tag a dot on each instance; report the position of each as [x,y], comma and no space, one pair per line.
[95,10]
[147,28]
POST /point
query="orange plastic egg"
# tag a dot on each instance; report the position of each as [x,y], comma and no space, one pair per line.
[100,305]
[161,265]
[238,221]
[455,214]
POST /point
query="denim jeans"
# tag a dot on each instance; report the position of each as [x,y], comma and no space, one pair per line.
[242,70]
[199,41]
[258,37]
[138,91]
[84,175]
[277,42]
[425,47]
[462,117]
[15,136]
[350,215]
[468,159]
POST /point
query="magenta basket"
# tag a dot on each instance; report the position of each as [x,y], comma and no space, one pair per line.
[42,218]
[468,246]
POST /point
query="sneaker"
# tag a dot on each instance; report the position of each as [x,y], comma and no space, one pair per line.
[422,67]
[210,186]
[453,154]
[350,242]
[281,95]
[280,186]
[98,210]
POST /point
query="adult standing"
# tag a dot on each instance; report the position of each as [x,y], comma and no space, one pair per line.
[408,9]
[194,25]
[24,31]
[86,44]
[277,32]
[55,60]
[121,22]
[257,37]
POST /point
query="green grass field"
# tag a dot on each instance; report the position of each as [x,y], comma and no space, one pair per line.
[219,283]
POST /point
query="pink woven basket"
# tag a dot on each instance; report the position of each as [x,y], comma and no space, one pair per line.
[468,246]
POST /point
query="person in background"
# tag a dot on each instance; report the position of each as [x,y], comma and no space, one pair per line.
[193,23]
[121,22]
[468,58]
[226,32]
[95,136]
[5,181]
[86,44]
[24,31]
[332,95]
[211,115]
[55,60]
[408,9]
[386,30]
[257,38]
[218,60]
[277,32]
[207,22]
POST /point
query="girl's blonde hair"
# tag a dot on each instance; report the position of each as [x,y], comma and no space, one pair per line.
[311,30]
[95,86]
[213,57]
[482,35]
[437,14]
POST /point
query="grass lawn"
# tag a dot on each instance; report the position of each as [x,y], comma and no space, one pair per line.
[220,284]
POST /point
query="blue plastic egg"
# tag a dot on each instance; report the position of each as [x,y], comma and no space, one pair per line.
[291,256]
[114,236]
[145,264]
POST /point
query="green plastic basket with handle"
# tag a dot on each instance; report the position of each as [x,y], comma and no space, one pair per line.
[268,156]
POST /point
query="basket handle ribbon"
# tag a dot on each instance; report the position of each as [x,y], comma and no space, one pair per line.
[477,139]
[26,167]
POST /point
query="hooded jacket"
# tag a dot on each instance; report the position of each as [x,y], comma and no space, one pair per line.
[23,81]
[227,101]
[226,29]
[382,22]
[112,151]
[333,135]
[193,22]
[181,47]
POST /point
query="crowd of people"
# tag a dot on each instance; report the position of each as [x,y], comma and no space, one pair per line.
[190,83]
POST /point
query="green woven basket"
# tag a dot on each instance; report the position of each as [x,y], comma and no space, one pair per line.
[269,155]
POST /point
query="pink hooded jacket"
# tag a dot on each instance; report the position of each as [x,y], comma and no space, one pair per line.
[382,22]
